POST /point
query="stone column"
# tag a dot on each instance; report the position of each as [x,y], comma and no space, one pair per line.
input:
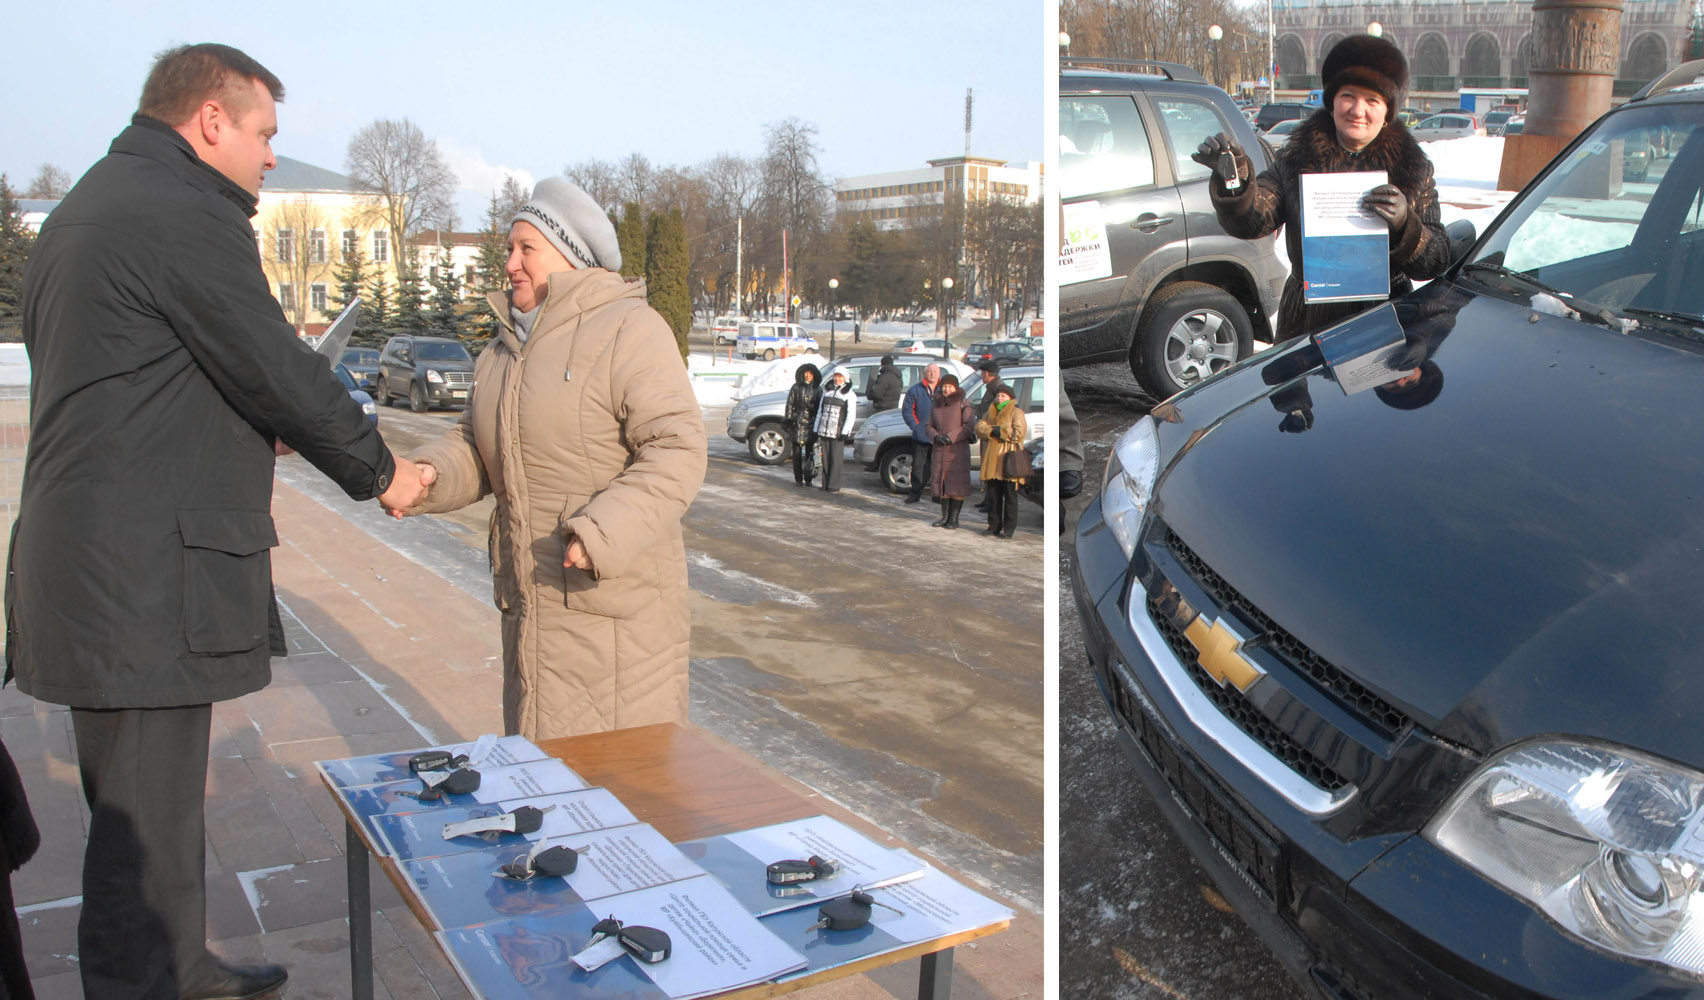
[1575,52]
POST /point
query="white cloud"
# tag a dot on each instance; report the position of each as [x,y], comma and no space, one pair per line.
[476,180]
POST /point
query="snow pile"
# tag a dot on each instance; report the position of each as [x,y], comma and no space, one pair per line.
[777,375]
[14,365]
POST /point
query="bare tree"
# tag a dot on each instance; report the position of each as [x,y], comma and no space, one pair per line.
[792,183]
[405,172]
[598,179]
[638,180]
[509,199]
[1169,30]
[49,182]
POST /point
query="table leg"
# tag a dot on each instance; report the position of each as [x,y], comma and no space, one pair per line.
[935,981]
[361,915]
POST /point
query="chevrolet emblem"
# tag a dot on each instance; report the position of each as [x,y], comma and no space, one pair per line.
[1219,651]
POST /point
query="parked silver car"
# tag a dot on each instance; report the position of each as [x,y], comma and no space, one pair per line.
[1446,127]
[883,444]
[757,420]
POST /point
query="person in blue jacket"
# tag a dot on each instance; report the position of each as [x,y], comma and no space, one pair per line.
[919,399]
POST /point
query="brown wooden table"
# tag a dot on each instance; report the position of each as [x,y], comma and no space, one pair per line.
[687,786]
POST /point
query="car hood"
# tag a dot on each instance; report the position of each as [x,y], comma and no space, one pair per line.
[451,365]
[1523,554]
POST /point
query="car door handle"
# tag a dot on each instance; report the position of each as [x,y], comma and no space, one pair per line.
[1148,222]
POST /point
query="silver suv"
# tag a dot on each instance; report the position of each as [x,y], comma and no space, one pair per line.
[757,420]
[883,443]
[1146,275]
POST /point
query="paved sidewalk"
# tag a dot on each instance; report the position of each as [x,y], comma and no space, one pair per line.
[385,654]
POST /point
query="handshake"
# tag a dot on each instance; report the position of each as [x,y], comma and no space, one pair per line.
[408,487]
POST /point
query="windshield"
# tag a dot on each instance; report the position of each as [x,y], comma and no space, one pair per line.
[429,351]
[1616,227]
[361,356]
[344,377]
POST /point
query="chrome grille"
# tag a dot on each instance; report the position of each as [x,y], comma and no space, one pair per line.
[458,378]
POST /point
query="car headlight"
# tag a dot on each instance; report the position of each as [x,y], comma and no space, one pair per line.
[369,407]
[1129,482]
[739,411]
[433,375]
[1606,842]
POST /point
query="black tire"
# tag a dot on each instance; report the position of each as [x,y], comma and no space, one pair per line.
[417,398]
[894,464]
[381,393]
[768,443]
[1187,332]
[769,355]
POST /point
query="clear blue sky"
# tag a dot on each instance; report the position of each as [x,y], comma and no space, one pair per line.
[530,88]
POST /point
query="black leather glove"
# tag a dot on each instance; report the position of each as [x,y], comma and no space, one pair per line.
[1208,153]
[943,440]
[995,434]
[1389,203]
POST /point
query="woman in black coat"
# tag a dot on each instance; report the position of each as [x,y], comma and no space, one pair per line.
[800,417]
[1366,78]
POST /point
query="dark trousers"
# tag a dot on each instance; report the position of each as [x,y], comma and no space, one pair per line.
[1002,505]
[804,460]
[922,457]
[833,459]
[144,920]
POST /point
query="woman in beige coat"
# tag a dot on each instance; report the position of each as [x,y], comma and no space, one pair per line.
[584,426]
[1002,430]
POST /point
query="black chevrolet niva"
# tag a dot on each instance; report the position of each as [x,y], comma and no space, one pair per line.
[1403,625]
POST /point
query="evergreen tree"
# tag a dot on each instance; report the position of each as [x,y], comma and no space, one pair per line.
[15,243]
[630,237]
[376,310]
[446,292]
[351,278]
[409,315]
[667,273]
[493,255]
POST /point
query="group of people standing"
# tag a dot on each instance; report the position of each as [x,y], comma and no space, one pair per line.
[943,423]
[819,419]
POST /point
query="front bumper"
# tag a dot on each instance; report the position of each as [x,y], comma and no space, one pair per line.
[1388,916]
[442,394]
[737,427]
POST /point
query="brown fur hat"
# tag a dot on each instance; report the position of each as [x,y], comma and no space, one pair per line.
[1366,61]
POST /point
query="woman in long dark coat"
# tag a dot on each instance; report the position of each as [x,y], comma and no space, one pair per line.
[951,426]
[1365,79]
[800,419]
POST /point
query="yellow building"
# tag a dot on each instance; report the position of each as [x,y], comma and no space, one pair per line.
[309,220]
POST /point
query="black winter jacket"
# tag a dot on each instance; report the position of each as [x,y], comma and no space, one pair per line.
[1419,250]
[885,389]
[802,402]
[161,371]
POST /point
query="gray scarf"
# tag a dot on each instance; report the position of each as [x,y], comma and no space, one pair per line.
[524,321]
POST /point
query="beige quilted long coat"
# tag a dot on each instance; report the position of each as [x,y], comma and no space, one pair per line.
[590,429]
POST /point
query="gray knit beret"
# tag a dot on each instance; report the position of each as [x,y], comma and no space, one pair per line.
[573,223]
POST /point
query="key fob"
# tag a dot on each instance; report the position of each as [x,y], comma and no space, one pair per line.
[527,818]
[604,928]
[847,913]
[463,781]
[647,944]
[556,861]
[1228,171]
[788,872]
[431,760]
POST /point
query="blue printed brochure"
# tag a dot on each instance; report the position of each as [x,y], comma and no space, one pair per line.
[498,784]
[741,861]
[1366,353]
[462,889]
[487,751]
[421,834]
[1345,248]
[923,909]
[715,946]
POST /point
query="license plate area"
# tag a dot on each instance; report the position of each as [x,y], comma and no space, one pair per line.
[1248,849]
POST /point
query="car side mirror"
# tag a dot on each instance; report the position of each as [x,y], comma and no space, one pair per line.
[1462,235]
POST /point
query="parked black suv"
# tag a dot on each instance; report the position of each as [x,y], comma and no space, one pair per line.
[1281,111]
[1146,273]
[426,371]
[1399,623]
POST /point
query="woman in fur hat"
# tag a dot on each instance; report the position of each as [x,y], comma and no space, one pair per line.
[951,425]
[1365,81]
[800,420]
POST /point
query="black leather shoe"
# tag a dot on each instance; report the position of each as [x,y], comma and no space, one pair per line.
[217,979]
[914,499]
[1070,484]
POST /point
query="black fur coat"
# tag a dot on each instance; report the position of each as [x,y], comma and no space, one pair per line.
[1419,250]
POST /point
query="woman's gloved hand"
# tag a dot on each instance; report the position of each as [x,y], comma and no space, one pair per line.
[1214,146]
[943,440]
[1387,202]
[994,432]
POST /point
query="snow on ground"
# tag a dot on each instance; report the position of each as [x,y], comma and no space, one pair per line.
[14,365]
[1466,172]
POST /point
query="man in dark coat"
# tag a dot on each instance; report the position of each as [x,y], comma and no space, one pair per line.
[164,379]
[1365,79]
[886,387]
[919,399]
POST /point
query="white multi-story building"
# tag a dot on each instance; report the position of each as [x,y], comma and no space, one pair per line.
[903,198]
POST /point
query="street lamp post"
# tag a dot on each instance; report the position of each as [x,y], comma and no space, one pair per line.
[833,283]
[947,290]
[1214,33]
[1375,29]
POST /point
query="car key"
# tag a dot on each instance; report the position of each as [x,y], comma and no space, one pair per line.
[647,944]
[790,871]
[1228,171]
[848,913]
[604,928]
[522,819]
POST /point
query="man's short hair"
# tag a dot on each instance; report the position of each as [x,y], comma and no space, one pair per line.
[185,77]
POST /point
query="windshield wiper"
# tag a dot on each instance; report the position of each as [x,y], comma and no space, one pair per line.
[1520,281]
[1689,325]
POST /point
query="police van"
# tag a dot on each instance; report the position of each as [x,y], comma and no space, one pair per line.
[771,340]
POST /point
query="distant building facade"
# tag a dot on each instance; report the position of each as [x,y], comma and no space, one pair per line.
[904,198]
[442,248]
[1452,44]
[32,212]
[308,221]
